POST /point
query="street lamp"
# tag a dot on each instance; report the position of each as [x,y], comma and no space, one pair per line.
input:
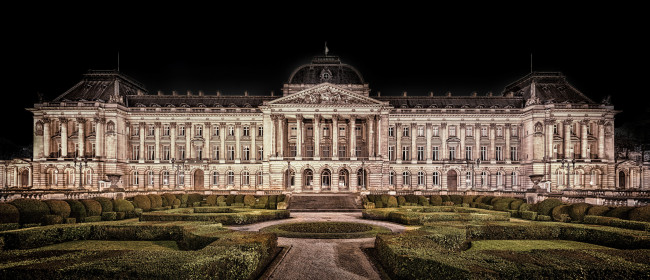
[180,166]
[469,163]
[568,165]
[83,162]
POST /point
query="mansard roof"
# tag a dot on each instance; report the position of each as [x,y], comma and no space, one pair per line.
[326,69]
[197,101]
[548,87]
[102,85]
[452,101]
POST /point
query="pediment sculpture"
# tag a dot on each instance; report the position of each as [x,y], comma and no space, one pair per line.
[325,96]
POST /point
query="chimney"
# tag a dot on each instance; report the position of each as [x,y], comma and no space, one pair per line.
[218,93]
[174,93]
[189,93]
[245,93]
[474,94]
[431,94]
[404,93]
[449,94]
[160,93]
[201,93]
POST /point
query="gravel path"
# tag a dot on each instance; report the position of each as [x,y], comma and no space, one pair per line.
[324,258]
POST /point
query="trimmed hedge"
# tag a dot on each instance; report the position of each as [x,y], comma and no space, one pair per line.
[598,210]
[235,218]
[121,205]
[528,215]
[273,201]
[249,200]
[9,214]
[545,207]
[422,201]
[578,211]
[392,202]
[435,200]
[156,200]
[502,204]
[221,201]
[620,212]
[456,199]
[640,214]
[59,207]
[142,201]
[615,222]
[107,203]
[561,213]
[211,200]
[32,211]
[401,200]
[77,210]
[515,204]
[93,207]
[325,230]
[51,220]
[239,198]
[109,216]
[168,199]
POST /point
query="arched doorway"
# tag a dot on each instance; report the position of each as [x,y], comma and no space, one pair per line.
[452,180]
[24,178]
[621,180]
[198,179]
[325,179]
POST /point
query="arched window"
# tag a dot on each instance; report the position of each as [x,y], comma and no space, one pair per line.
[560,178]
[325,177]
[391,178]
[52,177]
[514,178]
[110,126]
[421,178]
[69,177]
[231,177]
[245,178]
[215,178]
[165,178]
[343,178]
[150,178]
[260,178]
[578,178]
[468,178]
[484,178]
[181,178]
[436,178]
[595,180]
[500,178]
[406,178]
[135,178]
[309,177]
[88,177]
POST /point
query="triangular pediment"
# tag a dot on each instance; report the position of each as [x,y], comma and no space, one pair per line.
[326,94]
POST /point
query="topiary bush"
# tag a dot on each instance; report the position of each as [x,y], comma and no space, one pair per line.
[543,218]
[156,200]
[262,202]
[211,200]
[109,216]
[77,210]
[142,201]
[578,211]
[456,199]
[528,215]
[249,200]
[618,212]
[230,199]
[59,207]
[423,201]
[282,198]
[384,199]
[560,213]
[401,201]
[598,210]
[503,204]
[93,208]
[545,207]
[9,214]
[515,204]
[392,202]
[445,198]
[124,206]
[221,201]
[183,198]
[240,198]
[524,207]
[640,214]
[31,211]
[435,200]
[51,220]
[168,199]
[273,201]
[107,204]
[467,199]
[379,204]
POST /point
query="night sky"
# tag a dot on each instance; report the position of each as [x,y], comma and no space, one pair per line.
[417,53]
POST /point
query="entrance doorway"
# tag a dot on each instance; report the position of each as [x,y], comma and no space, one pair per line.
[452,180]
[621,180]
[198,179]
[24,178]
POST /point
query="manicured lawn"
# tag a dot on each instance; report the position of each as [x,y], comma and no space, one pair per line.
[325,230]
[528,245]
[104,245]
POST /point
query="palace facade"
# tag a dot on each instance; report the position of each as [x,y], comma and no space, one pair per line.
[326,132]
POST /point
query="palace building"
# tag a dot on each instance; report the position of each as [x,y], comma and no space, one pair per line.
[326,132]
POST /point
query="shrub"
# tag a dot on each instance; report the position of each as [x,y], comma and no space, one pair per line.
[93,208]
[109,216]
[401,201]
[123,206]
[423,201]
[369,205]
[92,219]
[59,207]
[524,207]
[77,210]
[183,198]
[447,203]
[107,203]
[544,218]
[283,205]
[445,198]
[142,201]
[503,204]
[545,207]
[379,204]
[9,214]
[598,210]
[120,215]
[51,220]
[528,215]
[515,204]
[176,203]
[282,198]
[230,199]
[456,199]
[240,198]
[435,200]
[249,200]
[371,198]
[221,201]
[488,200]
[31,211]
[156,200]
[262,202]
[169,198]
[561,213]
[479,199]
[618,212]
[640,214]
[211,200]
[194,197]
[392,202]
[616,222]
[578,211]
[385,198]
[467,199]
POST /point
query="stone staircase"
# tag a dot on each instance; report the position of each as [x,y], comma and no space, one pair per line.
[325,203]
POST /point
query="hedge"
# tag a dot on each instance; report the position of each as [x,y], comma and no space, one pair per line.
[156,200]
[107,203]
[273,201]
[435,200]
[221,201]
[619,212]
[211,200]
[329,230]
[9,214]
[561,213]
[121,205]
[249,200]
[503,204]
[422,201]
[401,200]
[615,222]
[239,198]
[236,218]
[598,210]
[169,199]
[640,214]
[261,202]
[183,198]
[445,198]
[142,201]
[546,206]
[528,215]
[578,211]
[392,202]
[93,208]
[59,207]
[77,210]
[515,204]
[109,216]
[32,211]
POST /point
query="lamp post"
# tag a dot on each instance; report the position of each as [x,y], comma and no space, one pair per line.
[469,163]
[568,165]
[82,162]
[180,166]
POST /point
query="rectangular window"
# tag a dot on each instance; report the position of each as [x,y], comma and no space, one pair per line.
[151,151]
[499,153]
[260,153]
[513,154]
[435,131]
[555,129]
[166,130]
[357,151]
[151,130]
[260,131]
[93,150]
[342,150]
[421,131]
[215,152]
[247,153]
[484,131]
[166,153]
[452,153]
[434,154]
[326,131]
[484,153]
[390,131]
[135,130]
[357,131]
[135,153]
[181,130]
[231,153]
[513,131]
[499,131]
[181,152]
[199,153]
[405,131]
[310,151]
[405,153]
[231,131]
[469,131]
[215,130]
[452,131]
[294,132]
[468,152]
[341,131]
[325,151]
[76,150]
[292,150]
[310,131]
[246,131]
[421,153]
[391,152]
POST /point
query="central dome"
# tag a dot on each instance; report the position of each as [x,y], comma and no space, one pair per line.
[326,69]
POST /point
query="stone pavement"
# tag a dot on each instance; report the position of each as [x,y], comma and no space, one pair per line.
[324,258]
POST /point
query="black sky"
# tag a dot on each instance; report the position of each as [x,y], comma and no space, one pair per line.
[600,55]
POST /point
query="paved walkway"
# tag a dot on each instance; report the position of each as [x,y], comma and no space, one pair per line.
[324,258]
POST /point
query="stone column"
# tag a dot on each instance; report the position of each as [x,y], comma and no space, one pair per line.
[444,154]
[141,156]
[506,151]
[280,132]
[172,144]
[81,136]
[583,138]
[188,136]
[398,132]
[492,133]
[238,147]
[207,136]
[428,148]
[414,128]
[567,139]
[299,128]
[253,148]
[46,137]
[601,139]
[222,137]
[64,138]
[461,154]
[156,134]
[477,140]
[335,137]
[371,135]
[382,135]
[549,137]
[99,136]
[316,139]
[273,135]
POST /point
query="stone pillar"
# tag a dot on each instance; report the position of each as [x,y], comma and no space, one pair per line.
[238,147]
[64,137]
[414,150]
[398,133]
[273,135]
[207,136]
[371,135]
[316,139]
[188,136]
[492,134]
[549,137]
[506,151]
[172,144]
[382,135]
[477,140]
[156,134]
[444,154]
[601,139]
[280,132]
[222,137]
[567,139]
[583,138]
[353,137]
[46,137]
[335,137]
[99,137]
[81,136]
[299,134]
[253,149]
[428,148]
[461,154]
[141,156]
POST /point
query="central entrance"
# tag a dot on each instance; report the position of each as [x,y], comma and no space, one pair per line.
[452,180]
[198,179]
